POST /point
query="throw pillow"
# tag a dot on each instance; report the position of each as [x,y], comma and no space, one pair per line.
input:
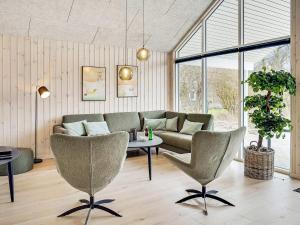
[75,128]
[171,124]
[155,124]
[96,128]
[191,127]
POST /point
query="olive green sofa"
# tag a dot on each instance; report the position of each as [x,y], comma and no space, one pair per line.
[124,121]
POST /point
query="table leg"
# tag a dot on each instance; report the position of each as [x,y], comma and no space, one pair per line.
[11,181]
[157,149]
[149,163]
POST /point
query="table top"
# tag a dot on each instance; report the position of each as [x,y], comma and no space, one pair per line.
[144,144]
[15,153]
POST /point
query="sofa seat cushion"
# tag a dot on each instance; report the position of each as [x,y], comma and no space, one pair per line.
[175,139]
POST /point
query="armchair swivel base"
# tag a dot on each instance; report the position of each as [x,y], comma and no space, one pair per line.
[91,204]
[204,194]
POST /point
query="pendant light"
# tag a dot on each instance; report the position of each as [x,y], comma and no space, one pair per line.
[143,53]
[126,73]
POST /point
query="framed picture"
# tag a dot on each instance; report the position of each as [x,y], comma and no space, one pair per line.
[127,88]
[93,83]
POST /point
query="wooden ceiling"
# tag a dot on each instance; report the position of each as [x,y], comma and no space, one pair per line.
[102,21]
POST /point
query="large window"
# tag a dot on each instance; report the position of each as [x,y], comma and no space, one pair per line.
[223,91]
[222,26]
[190,87]
[266,19]
[236,38]
[193,45]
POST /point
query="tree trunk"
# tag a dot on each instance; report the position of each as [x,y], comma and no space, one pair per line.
[260,138]
[259,143]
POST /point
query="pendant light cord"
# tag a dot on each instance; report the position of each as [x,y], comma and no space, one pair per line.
[143,23]
[126,50]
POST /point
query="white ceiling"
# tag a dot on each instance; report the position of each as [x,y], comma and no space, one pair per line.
[102,21]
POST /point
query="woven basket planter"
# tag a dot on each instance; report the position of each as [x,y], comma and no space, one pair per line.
[259,164]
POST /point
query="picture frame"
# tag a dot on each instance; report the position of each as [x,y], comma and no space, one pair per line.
[93,83]
[127,88]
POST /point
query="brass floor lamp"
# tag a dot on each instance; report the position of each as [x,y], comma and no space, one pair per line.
[44,93]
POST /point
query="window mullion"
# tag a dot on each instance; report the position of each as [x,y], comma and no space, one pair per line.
[204,70]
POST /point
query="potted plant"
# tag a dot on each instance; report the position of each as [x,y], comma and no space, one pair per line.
[265,112]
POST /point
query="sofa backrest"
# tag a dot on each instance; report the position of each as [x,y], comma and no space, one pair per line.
[157,114]
[122,121]
[207,119]
[78,117]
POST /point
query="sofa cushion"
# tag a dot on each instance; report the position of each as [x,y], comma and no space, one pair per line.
[181,118]
[158,114]
[96,128]
[155,124]
[183,141]
[80,117]
[207,119]
[191,127]
[172,124]
[75,128]
[122,121]
[59,129]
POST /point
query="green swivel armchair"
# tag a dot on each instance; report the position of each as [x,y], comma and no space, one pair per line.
[211,153]
[89,164]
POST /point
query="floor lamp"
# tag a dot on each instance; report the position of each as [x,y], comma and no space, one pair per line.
[44,93]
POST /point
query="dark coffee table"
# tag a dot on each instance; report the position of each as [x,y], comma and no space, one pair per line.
[146,147]
[15,154]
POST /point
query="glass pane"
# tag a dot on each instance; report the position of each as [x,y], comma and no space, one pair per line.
[266,19]
[277,58]
[190,87]
[193,45]
[282,151]
[222,91]
[222,26]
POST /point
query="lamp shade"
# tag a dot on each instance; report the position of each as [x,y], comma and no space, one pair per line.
[125,73]
[143,54]
[44,92]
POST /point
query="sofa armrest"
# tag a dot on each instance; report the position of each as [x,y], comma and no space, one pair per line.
[58,129]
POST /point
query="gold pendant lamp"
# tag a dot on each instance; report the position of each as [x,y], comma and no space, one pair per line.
[143,53]
[126,73]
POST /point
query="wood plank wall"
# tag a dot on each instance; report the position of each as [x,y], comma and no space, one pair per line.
[26,62]
[295,103]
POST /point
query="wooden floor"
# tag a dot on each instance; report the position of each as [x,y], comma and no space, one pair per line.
[41,195]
